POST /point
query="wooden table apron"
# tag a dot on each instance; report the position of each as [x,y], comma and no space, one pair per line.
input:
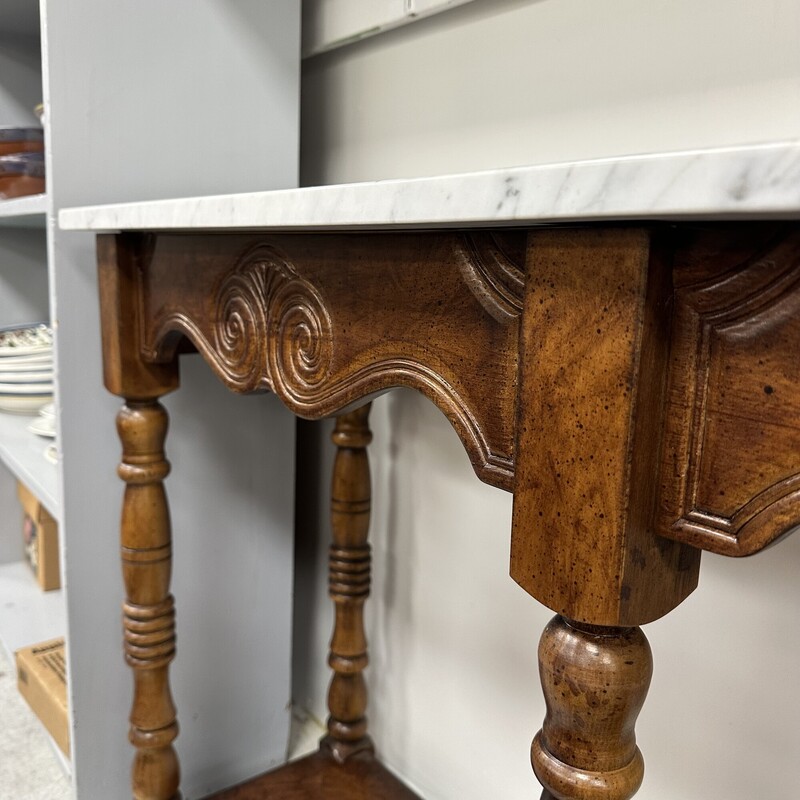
[635,387]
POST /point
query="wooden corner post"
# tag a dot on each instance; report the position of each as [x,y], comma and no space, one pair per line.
[148,611]
[595,344]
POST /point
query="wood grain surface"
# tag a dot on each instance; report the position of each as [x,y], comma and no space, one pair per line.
[730,468]
[325,321]
[595,681]
[349,566]
[149,609]
[595,338]
[321,777]
[636,387]
[146,537]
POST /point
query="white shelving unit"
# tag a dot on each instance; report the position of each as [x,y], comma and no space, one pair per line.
[25,611]
[27,614]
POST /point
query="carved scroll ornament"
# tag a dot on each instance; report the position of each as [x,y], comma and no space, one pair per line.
[272,328]
[326,323]
[492,265]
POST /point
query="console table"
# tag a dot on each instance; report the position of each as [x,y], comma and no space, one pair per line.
[615,342]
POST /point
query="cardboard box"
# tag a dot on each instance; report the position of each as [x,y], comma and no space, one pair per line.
[42,681]
[40,531]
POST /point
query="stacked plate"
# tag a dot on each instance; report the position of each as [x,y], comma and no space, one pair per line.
[45,425]
[26,368]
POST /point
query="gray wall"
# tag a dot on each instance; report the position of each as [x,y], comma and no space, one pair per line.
[455,696]
[21,71]
[149,100]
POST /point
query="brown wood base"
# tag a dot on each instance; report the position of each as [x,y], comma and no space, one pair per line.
[320,777]
[623,382]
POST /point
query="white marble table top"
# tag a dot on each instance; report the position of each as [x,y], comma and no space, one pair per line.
[757,181]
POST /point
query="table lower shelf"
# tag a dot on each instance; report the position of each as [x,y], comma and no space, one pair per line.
[319,777]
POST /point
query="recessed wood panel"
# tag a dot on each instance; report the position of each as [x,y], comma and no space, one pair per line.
[731,460]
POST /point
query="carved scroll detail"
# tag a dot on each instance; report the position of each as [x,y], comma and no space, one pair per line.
[242,316]
[492,265]
[324,322]
[731,464]
[264,294]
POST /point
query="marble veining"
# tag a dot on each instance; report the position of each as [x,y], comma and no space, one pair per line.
[735,182]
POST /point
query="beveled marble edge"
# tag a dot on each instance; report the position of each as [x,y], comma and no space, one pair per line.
[751,181]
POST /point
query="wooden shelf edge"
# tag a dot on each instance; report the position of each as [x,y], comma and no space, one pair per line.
[319,777]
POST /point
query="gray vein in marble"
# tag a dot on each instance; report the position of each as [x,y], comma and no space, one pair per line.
[757,181]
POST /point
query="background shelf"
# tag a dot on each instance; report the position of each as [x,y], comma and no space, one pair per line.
[23,453]
[27,614]
[24,212]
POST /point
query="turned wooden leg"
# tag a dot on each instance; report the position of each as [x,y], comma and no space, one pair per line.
[349,586]
[595,681]
[149,613]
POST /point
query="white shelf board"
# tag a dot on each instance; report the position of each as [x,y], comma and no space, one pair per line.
[23,453]
[27,614]
[24,212]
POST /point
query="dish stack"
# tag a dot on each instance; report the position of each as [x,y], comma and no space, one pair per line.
[45,425]
[26,368]
[21,162]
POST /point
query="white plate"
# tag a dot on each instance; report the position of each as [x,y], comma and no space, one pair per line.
[24,340]
[48,411]
[43,426]
[21,350]
[26,377]
[41,388]
[51,453]
[23,404]
[27,363]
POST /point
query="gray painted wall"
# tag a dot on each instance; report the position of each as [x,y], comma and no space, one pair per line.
[455,697]
[149,100]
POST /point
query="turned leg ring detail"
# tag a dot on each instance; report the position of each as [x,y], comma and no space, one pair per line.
[595,681]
